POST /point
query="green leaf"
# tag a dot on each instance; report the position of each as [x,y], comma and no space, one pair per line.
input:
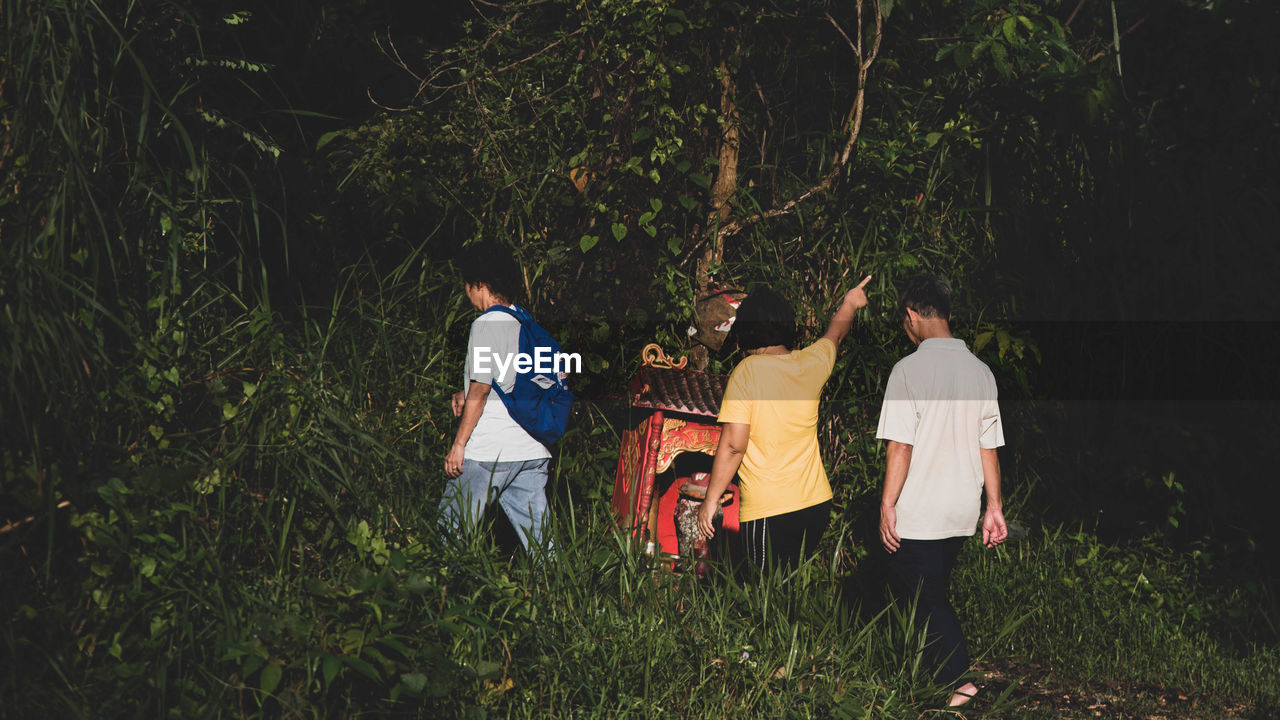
[270,677]
[363,667]
[619,231]
[251,665]
[330,668]
[327,138]
[702,179]
[1000,54]
[687,202]
[417,584]
[673,244]
[1010,29]
[932,138]
[414,682]
[646,218]
[656,204]
[587,242]
[982,340]
[487,669]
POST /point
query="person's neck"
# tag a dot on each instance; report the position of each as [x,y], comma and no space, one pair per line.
[769,350]
[933,328]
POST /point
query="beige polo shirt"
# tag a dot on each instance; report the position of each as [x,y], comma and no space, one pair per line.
[941,400]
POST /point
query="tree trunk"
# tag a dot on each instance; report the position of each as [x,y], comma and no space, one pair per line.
[722,193]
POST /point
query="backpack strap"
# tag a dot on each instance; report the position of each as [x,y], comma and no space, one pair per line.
[518,312]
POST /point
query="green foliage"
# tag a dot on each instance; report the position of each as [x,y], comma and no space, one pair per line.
[526,104]
[586,138]
[218,493]
[122,231]
[1139,612]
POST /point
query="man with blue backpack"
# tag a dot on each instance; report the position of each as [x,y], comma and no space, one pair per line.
[514,404]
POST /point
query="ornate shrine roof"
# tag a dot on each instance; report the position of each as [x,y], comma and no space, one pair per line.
[686,391]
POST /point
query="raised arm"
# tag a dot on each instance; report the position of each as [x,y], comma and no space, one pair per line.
[842,320]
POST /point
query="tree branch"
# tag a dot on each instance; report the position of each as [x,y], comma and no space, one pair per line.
[1073,14]
[854,124]
[1102,53]
[425,83]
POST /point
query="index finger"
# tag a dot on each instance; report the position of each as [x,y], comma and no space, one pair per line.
[864,282]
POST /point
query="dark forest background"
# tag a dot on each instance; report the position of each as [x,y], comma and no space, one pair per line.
[230,327]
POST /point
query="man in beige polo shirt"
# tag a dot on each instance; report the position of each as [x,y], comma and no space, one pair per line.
[942,421]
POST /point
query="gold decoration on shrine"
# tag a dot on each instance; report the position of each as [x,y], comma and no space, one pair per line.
[679,436]
[653,356]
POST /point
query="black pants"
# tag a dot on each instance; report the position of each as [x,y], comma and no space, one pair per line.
[784,540]
[925,566]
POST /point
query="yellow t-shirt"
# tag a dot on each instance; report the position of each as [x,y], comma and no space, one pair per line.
[777,395]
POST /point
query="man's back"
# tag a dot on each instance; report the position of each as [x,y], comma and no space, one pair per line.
[941,400]
[942,422]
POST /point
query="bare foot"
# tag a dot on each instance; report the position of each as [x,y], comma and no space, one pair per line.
[963,694]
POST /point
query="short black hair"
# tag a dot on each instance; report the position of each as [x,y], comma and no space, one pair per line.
[927,294]
[489,263]
[765,318]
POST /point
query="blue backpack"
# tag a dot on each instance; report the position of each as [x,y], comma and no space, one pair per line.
[540,401]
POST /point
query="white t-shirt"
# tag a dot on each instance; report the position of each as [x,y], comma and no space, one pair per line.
[941,400]
[494,342]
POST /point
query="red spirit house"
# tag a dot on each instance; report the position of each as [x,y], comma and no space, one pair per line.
[679,409]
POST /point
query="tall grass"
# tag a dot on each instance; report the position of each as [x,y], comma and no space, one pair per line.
[280,555]
[232,514]
[1136,614]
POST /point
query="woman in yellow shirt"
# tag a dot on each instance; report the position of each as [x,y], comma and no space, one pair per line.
[770,430]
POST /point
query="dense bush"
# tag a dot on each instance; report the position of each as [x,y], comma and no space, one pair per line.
[230,329]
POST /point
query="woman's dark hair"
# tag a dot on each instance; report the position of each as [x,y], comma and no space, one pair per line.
[927,294]
[488,263]
[765,318]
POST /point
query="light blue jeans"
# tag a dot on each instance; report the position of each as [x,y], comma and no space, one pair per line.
[521,487]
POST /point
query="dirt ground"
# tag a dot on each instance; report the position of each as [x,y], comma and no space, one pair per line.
[1018,690]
